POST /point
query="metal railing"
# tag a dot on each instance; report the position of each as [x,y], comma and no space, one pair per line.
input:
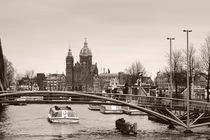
[140,100]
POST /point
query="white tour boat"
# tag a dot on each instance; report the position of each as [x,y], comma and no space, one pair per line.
[62,114]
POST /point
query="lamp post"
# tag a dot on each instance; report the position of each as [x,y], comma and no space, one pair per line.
[171,92]
[188,103]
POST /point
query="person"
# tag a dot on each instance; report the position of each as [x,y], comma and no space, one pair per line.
[68,107]
[57,108]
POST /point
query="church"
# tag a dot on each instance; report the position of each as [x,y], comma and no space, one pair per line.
[80,76]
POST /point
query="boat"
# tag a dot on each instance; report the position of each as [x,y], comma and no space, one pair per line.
[19,101]
[126,127]
[131,111]
[62,114]
[111,109]
[94,106]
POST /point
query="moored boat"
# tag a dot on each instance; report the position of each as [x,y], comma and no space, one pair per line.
[19,101]
[94,106]
[62,114]
[131,111]
[111,109]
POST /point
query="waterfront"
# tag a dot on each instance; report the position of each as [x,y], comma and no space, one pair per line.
[30,122]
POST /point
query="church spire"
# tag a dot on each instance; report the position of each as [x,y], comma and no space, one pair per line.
[85,44]
[69,52]
[69,47]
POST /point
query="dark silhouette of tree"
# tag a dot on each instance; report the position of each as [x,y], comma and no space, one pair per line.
[177,66]
[133,72]
[9,72]
[194,66]
[179,73]
[205,61]
[30,74]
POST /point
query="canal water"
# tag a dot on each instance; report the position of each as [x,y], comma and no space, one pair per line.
[30,123]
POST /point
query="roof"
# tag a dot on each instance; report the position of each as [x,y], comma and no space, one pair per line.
[110,75]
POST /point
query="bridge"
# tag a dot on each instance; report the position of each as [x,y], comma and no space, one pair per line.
[170,110]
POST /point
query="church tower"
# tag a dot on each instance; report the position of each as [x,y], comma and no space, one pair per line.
[86,65]
[86,56]
[69,71]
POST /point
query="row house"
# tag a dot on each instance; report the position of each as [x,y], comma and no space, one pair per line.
[55,82]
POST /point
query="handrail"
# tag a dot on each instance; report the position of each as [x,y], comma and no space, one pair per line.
[139,99]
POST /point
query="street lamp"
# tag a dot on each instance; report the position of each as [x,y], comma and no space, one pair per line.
[171,92]
[188,103]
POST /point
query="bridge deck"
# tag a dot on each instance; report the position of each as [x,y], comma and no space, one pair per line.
[140,100]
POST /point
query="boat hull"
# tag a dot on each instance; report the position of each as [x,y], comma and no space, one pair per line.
[63,120]
[94,107]
[109,109]
[134,112]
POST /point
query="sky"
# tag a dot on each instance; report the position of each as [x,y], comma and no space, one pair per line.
[36,34]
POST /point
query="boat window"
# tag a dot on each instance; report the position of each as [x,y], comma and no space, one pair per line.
[71,114]
[56,114]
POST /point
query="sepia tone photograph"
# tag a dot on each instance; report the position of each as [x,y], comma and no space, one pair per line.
[104,69]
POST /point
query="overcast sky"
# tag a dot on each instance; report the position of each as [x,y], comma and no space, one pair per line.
[36,34]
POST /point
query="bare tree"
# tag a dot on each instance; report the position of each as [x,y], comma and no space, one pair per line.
[194,66]
[30,74]
[205,61]
[133,71]
[177,69]
[9,72]
[177,66]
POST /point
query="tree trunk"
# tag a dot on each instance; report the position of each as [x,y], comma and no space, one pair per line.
[190,87]
[176,84]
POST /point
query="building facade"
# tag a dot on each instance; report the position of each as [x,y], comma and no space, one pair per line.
[81,75]
[55,82]
[162,81]
[40,78]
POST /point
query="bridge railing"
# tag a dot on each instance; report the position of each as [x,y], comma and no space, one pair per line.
[153,101]
[141,100]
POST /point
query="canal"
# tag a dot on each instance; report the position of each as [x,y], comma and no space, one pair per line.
[30,122]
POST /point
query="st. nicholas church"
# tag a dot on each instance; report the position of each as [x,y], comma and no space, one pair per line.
[79,76]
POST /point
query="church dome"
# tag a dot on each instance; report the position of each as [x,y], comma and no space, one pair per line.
[85,51]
